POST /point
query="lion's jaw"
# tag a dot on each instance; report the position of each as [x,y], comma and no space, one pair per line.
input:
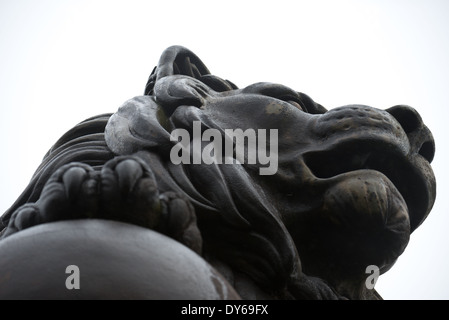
[367,187]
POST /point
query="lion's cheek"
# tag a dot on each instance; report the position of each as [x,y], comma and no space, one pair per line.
[368,211]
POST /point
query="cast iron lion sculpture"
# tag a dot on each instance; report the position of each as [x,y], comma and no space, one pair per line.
[350,185]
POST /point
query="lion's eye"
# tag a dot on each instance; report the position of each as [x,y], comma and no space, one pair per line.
[296,104]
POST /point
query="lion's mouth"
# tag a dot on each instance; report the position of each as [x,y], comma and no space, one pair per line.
[408,179]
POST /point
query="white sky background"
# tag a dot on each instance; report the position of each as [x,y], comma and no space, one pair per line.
[64,61]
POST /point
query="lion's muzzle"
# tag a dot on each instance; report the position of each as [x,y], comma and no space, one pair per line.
[394,142]
[374,166]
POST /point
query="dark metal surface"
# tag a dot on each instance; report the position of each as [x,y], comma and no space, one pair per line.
[351,184]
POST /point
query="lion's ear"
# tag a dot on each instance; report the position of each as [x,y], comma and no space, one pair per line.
[178,90]
[176,60]
[311,106]
[181,78]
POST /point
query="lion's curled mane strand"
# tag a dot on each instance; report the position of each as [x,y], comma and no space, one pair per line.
[242,228]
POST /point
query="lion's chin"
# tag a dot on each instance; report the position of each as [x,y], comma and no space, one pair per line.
[368,212]
[368,197]
[363,220]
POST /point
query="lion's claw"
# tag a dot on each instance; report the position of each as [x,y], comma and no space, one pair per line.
[72,180]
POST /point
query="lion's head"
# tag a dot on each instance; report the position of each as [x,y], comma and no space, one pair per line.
[350,185]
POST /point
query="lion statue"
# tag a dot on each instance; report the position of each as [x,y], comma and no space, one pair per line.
[147,214]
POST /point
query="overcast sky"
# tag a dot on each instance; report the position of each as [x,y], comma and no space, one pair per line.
[63,61]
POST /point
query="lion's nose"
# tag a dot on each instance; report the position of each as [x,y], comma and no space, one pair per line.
[420,137]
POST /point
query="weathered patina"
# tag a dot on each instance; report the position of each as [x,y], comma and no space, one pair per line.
[350,186]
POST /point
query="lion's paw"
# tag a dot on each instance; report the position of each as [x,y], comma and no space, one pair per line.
[129,192]
[124,190]
[24,217]
[71,192]
[179,221]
